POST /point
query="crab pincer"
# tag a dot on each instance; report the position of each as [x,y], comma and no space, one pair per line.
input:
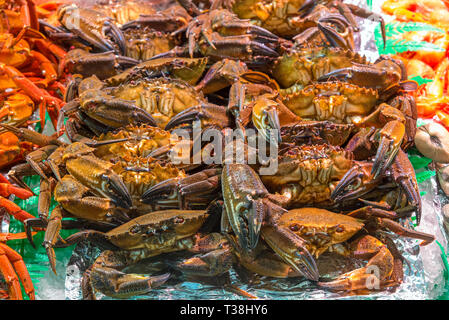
[176,192]
[209,114]
[358,181]
[251,213]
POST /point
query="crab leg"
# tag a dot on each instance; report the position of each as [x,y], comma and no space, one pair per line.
[402,231]
[14,210]
[9,274]
[36,94]
[10,260]
[47,69]
[238,46]
[7,189]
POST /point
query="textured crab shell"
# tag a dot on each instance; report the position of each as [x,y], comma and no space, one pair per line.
[320,227]
[142,140]
[271,15]
[336,101]
[124,11]
[140,174]
[309,173]
[307,65]
[157,230]
[161,97]
[144,43]
[189,70]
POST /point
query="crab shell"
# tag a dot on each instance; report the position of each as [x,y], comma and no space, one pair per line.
[158,229]
[321,228]
[308,174]
[142,140]
[187,69]
[162,98]
[307,65]
[339,102]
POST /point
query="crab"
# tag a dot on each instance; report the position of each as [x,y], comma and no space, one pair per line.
[253,100]
[288,18]
[13,268]
[106,191]
[153,101]
[306,65]
[219,34]
[299,234]
[147,236]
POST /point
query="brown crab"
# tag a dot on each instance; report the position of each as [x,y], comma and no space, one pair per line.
[307,65]
[89,26]
[147,236]
[344,103]
[287,18]
[153,101]
[299,234]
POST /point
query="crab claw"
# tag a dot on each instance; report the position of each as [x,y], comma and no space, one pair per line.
[291,248]
[117,190]
[266,120]
[116,112]
[203,183]
[244,194]
[380,258]
[390,142]
[355,183]
[385,75]
[209,115]
[403,174]
[389,137]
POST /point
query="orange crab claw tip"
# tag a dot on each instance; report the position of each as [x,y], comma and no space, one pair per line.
[20,192]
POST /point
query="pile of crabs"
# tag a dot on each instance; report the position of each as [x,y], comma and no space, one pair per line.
[140,71]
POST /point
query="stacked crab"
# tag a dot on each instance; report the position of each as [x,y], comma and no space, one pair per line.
[288,70]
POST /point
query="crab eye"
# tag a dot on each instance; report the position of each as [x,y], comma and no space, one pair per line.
[339,228]
[179,220]
[241,207]
[294,227]
[134,229]
[357,183]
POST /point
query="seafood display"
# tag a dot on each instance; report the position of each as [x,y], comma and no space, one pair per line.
[200,137]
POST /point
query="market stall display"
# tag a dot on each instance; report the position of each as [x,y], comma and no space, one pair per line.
[336,211]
